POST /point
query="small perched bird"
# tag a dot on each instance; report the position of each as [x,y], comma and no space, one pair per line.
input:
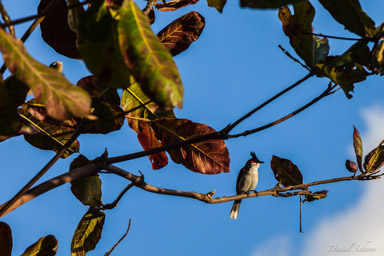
[246,181]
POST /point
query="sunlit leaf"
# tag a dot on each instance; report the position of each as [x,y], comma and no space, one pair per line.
[378,58]
[316,196]
[45,246]
[375,159]
[350,14]
[174,5]
[88,189]
[61,98]
[266,4]
[286,173]
[179,35]
[5,239]
[351,166]
[88,232]
[55,30]
[147,58]
[207,157]
[358,146]
[218,4]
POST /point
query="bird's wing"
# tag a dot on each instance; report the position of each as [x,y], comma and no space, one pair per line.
[239,177]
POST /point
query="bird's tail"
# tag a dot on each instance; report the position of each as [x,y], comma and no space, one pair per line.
[235,209]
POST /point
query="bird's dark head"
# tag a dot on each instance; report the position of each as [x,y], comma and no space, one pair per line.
[255,159]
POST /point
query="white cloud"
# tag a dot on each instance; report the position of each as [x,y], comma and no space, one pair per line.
[361,226]
[269,248]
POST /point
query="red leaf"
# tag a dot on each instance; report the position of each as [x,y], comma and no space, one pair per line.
[286,172]
[147,139]
[358,146]
[5,239]
[207,157]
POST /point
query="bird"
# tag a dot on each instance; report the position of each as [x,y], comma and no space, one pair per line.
[246,181]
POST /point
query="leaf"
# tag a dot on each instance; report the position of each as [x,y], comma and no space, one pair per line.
[316,196]
[286,172]
[179,35]
[98,46]
[61,98]
[148,140]
[147,58]
[45,246]
[88,232]
[351,166]
[46,133]
[358,146]
[5,239]
[87,189]
[218,4]
[207,157]
[266,4]
[174,5]
[375,159]
[378,58]
[350,14]
[298,28]
[55,30]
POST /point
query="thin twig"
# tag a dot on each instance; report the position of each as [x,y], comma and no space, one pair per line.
[6,19]
[293,58]
[121,239]
[301,214]
[334,37]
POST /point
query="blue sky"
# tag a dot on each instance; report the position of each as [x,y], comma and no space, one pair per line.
[234,66]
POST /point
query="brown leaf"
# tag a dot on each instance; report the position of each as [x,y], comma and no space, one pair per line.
[173,5]
[375,159]
[286,172]
[5,239]
[207,157]
[148,140]
[358,146]
[56,32]
[316,196]
[351,166]
[183,31]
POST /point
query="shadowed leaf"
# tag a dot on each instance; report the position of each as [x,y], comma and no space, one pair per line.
[61,98]
[218,4]
[179,35]
[286,172]
[207,157]
[174,5]
[358,146]
[375,159]
[55,30]
[5,239]
[316,196]
[45,246]
[88,232]
[378,58]
[88,189]
[350,14]
[266,4]
[147,58]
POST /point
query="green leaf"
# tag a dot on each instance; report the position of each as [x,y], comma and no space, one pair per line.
[378,58]
[286,173]
[358,146]
[182,32]
[88,189]
[207,157]
[266,4]
[98,46]
[61,98]
[147,58]
[375,159]
[45,246]
[44,132]
[5,239]
[218,4]
[88,232]
[298,28]
[350,14]
[316,196]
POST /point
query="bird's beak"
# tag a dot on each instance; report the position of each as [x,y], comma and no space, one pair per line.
[261,162]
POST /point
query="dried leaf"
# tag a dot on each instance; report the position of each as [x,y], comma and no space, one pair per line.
[207,157]
[45,246]
[147,58]
[55,30]
[179,35]
[358,146]
[218,4]
[5,239]
[375,159]
[88,189]
[286,172]
[316,196]
[88,232]
[61,98]
[350,14]
[174,5]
